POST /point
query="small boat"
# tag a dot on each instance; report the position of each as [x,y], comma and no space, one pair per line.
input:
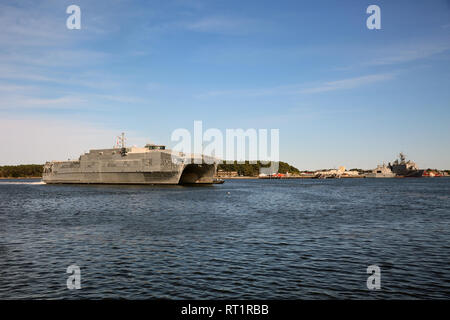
[218,181]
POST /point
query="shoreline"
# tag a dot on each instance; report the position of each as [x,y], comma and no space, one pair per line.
[16,178]
[247,178]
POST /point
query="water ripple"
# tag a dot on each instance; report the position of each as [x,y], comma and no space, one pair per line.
[245,239]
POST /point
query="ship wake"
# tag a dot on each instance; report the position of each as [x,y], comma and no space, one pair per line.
[22,182]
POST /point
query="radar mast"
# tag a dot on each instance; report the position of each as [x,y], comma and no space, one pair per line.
[120,141]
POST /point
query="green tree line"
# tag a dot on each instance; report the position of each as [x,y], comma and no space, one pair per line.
[252,169]
[24,170]
[245,169]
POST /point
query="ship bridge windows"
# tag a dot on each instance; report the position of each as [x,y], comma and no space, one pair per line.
[155,147]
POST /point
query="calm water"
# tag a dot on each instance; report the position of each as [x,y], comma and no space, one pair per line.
[263,239]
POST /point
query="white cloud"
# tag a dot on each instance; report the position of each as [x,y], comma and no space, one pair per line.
[298,89]
[16,97]
[37,47]
[348,83]
[53,58]
[30,26]
[223,25]
[408,52]
[121,99]
[20,97]
[60,103]
[387,55]
[7,88]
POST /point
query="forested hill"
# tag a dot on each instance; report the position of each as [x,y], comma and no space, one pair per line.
[24,170]
[245,169]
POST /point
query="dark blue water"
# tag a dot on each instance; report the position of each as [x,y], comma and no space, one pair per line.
[262,239]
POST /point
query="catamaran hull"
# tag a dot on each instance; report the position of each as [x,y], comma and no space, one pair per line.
[200,176]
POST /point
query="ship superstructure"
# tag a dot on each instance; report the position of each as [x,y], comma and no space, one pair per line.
[404,168]
[151,164]
[381,171]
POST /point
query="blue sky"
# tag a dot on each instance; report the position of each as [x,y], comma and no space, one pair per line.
[340,94]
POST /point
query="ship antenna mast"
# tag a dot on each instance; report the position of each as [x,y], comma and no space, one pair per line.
[120,142]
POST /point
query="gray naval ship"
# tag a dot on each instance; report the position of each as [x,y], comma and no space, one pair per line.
[152,164]
[381,171]
[399,168]
[404,168]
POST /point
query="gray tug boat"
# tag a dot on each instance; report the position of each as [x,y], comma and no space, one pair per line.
[152,164]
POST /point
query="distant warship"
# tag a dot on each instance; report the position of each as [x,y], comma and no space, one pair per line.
[404,168]
[152,164]
[381,171]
